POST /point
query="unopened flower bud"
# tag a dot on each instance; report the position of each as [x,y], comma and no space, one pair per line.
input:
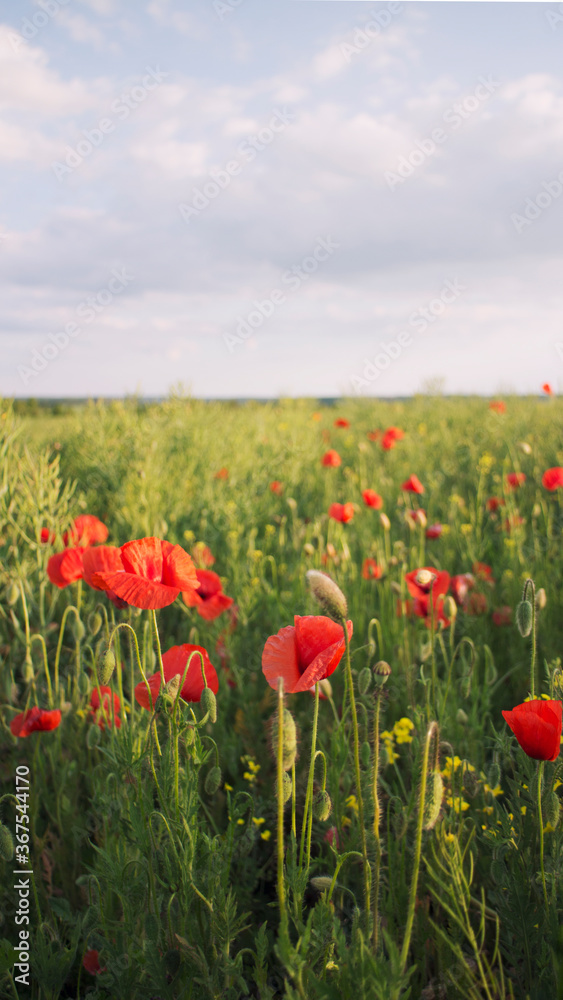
[385,522]
[493,775]
[551,809]
[420,518]
[365,753]
[470,783]
[209,703]
[6,843]
[93,737]
[171,688]
[450,608]
[364,680]
[525,448]
[78,629]
[309,549]
[106,667]
[381,673]
[287,788]
[213,780]
[524,615]
[461,717]
[13,594]
[321,883]
[395,587]
[541,599]
[322,806]
[326,687]
[328,594]
[433,803]
[95,622]
[289,748]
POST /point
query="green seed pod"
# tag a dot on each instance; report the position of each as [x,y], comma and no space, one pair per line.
[328,594]
[524,615]
[499,872]
[209,703]
[106,667]
[381,673]
[213,780]
[551,809]
[364,681]
[365,754]
[6,843]
[287,787]
[95,622]
[433,803]
[94,736]
[12,594]
[78,629]
[322,806]
[493,775]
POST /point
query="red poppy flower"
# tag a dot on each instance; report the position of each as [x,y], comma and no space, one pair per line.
[91,962]
[202,555]
[460,585]
[428,586]
[174,662]
[483,572]
[304,653]
[476,604]
[341,512]
[332,838]
[391,436]
[103,559]
[502,616]
[371,570]
[222,474]
[48,536]
[102,715]
[513,521]
[515,479]
[416,518]
[552,479]
[404,608]
[493,503]
[434,531]
[372,499]
[332,458]
[547,389]
[374,435]
[276,487]
[209,599]
[341,422]
[536,725]
[154,572]
[498,406]
[35,720]
[413,485]
[86,530]
[66,567]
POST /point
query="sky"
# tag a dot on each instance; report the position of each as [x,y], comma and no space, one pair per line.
[252,198]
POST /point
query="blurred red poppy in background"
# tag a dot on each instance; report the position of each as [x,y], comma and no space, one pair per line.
[493,503]
[498,406]
[66,567]
[434,531]
[276,487]
[460,585]
[343,512]
[332,458]
[371,570]
[91,962]
[304,653]
[154,572]
[502,616]
[48,536]
[547,389]
[374,435]
[341,422]
[428,586]
[86,530]
[536,725]
[552,479]
[222,474]
[515,479]
[372,499]
[174,662]
[35,720]
[391,436]
[103,559]
[483,572]
[413,485]
[476,604]
[202,555]
[101,714]
[209,599]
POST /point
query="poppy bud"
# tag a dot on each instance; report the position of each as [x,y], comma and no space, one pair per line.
[78,629]
[396,587]
[551,809]
[450,608]
[28,672]
[326,687]
[106,667]
[541,599]
[95,622]
[83,683]
[13,594]
[364,680]
[328,594]
[213,780]
[470,783]
[461,717]
[322,806]
[247,841]
[171,689]
[289,749]
[93,737]
[209,703]
[525,448]
[524,615]
[381,673]
[287,788]
[433,803]
[493,775]
[385,522]
[309,549]
[365,754]
[6,843]
[189,735]
[321,882]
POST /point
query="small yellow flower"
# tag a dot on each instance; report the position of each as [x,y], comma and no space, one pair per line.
[402,730]
[352,803]
[240,822]
[449,838]
[489,810]
[457,804]
[228,788]
[466,529]
[523,810]
[258,821]
[266,834]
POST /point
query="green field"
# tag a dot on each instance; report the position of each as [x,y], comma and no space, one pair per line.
[166,863]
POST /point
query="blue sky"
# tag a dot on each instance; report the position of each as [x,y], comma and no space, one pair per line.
[294,198]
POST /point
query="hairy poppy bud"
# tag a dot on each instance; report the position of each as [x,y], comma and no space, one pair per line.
[541,599]
[395,587]
[28,672]
[433,803]
[381,673]
[213,780]
[78,629]
[364,680]
[287,788]
[95,622]
[171,689]
[524,615]
[328,594]
[470,783]
[322,806]
[461,717]
[13,594]
[450,608]
[551,809]
[6,843]
[493,775]
[209,703]
[106,667]
[326,687]
[385,522]
[91,918]
[309,549]
[321,883]
[525,448]
[365,754]
[94,736]
[189,735]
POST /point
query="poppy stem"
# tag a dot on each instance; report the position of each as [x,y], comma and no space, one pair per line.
[309,795]
[540,777]
[281,884]
[376,820]
[367,871]
[158,648]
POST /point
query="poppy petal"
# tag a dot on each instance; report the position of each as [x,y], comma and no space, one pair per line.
[139,592]
[279,659]
[178,569]
[102,559]
[214,606]
[143,558]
